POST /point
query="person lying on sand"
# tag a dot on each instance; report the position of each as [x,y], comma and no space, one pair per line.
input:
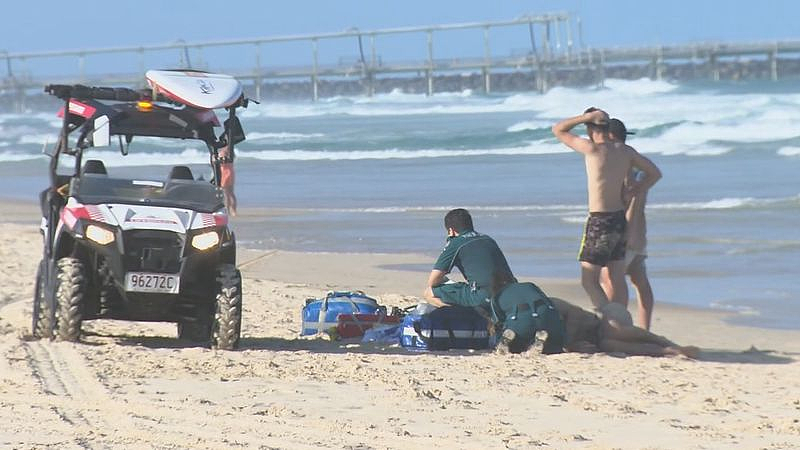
[613,332]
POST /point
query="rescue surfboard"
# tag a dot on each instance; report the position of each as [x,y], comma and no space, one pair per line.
[195,88]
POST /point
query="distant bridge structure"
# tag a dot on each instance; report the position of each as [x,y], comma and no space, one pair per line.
[544,61]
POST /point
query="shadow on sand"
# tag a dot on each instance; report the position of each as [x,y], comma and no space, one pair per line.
[321,345]
[750,356]
[140,341]
[276,344]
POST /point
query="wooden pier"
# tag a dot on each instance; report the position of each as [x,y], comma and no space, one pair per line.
[549,56]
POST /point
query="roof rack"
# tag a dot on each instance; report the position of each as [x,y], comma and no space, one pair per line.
[79,91]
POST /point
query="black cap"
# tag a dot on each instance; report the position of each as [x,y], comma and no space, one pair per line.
[617,128]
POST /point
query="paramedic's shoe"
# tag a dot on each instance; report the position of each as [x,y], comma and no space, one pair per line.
[538,342]
[505,342]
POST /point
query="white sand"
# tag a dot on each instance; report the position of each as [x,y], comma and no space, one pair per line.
[133,385]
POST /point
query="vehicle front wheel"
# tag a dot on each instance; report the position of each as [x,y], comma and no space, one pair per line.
[71,279]
[42,326]
[227,325]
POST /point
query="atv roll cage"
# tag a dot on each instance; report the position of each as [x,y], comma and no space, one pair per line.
[102,112]
[91,117]
[137,113]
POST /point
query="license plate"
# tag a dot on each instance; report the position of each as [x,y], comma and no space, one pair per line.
[152,282]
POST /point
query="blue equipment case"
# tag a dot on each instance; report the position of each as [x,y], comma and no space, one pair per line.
[452,327]
[320,314]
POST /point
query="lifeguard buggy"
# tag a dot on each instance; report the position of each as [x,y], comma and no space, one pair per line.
[146,248]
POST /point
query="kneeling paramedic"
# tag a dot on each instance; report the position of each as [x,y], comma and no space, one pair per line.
[482,264]
[527,318]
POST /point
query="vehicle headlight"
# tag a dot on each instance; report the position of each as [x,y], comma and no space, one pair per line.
[205,241]
[99,234]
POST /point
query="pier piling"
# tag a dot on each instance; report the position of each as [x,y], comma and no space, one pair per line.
[773,64]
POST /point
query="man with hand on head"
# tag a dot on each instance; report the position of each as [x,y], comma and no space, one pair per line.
[607,165]
[636,237]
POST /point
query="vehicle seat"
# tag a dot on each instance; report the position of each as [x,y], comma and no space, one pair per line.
[181,173]
[94,166]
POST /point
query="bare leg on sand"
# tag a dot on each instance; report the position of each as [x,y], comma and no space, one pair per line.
[638,341]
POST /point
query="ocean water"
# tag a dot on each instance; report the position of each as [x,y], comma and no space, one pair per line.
[377,174]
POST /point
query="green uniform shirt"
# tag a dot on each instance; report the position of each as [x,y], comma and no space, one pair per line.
[477,256]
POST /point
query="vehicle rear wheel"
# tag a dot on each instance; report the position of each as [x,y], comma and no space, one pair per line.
[70,291]
[227,325]
[42,326]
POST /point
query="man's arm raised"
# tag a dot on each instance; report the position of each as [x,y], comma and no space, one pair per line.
[562,130]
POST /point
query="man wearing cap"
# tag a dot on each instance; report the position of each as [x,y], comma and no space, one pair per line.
[636,238]
[607,165]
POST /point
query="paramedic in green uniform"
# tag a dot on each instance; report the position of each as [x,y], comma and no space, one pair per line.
[478,258]
[486,270]
[517,306]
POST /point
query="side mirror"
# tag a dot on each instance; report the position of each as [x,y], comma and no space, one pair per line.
[101,136]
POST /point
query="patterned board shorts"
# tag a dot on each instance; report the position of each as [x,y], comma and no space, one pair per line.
[603,238]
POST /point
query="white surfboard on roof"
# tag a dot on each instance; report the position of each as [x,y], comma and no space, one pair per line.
[194,88]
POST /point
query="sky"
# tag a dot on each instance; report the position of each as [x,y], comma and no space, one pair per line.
[46,25]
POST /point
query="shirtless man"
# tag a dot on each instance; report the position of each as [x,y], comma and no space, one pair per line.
[607,165]
[636,238]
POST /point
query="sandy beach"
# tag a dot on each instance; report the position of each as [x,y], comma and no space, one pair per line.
[134,385]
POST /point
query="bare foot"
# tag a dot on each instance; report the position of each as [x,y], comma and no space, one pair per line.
[688,351]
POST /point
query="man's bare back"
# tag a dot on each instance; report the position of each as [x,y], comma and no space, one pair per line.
[607,162]
[607,165]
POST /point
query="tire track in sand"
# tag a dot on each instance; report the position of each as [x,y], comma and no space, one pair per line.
[60,373]
[98,416]
[101,419]
[85,402]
